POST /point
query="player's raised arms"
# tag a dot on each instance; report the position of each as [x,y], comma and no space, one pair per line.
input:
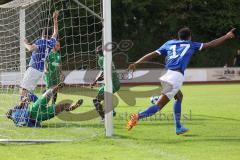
[55,24]
[33,47]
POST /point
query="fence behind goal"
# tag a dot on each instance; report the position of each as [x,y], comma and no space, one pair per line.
[80,32]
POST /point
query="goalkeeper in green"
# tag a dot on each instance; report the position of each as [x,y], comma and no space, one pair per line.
[115,80]
[52,71]
[31,114]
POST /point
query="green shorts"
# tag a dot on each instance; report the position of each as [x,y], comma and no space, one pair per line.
[40,111]
[116,87]
[51,80]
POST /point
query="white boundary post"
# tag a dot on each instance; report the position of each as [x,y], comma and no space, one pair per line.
[107,47]
[22,37]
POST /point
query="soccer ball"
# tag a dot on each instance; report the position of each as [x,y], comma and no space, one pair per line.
[154,99]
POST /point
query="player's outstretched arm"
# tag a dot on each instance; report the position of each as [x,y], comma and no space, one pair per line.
[145,58]
[30,47]
[98,78]
[55,24]
[219,41]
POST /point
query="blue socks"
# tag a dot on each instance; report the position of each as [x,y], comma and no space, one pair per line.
[177,113]
[149,112]
[154,109]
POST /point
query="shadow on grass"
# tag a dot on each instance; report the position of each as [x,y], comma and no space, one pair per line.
[188,138]
[72,125]
[120,136]
[190,135]
[216,117]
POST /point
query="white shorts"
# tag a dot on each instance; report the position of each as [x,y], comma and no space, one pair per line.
[171,83]
[31,78]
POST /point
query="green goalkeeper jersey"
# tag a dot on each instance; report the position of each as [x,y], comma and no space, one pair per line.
[115,78]
[53,62]
[52,77]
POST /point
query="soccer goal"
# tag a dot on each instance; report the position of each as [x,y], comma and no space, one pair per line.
[83,26]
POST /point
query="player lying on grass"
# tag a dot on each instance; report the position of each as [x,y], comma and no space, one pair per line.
[115,80]
[31,115]
[178,54]
[39,49]
[52,70]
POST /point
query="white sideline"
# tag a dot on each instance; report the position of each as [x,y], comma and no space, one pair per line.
[32,141]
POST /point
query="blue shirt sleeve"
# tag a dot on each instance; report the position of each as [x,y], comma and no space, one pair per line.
[40,45]
[162,50]
[38,41]
[51,42]
[197,46]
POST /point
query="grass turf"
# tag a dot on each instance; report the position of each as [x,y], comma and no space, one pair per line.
[211,112]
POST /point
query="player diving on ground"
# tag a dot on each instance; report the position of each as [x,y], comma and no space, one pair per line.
[40,50]
[31,114]
[178,54]
[115,80]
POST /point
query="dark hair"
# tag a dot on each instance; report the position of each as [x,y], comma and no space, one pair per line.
[184,33]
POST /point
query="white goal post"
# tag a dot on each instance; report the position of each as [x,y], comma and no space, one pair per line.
[107,39]
[22,37]
[20,19]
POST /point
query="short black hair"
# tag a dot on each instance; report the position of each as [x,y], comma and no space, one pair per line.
[184,33]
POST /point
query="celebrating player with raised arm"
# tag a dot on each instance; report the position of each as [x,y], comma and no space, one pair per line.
[30,114]
[39,50]
[178,54]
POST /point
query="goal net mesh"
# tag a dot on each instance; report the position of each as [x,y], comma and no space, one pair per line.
[80,32]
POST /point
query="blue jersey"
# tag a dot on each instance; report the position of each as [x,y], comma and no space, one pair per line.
[44,47]
[178,53]
[21,117]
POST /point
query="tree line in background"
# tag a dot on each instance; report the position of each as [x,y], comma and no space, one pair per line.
[149,23]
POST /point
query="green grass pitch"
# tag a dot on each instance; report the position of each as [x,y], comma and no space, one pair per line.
[211,113]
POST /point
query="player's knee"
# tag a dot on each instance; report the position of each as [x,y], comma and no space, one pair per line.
[100,97]
[179,96]
[116,87]
[162,101]
[95,101]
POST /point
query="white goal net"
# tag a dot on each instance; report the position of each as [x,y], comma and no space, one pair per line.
[80,32]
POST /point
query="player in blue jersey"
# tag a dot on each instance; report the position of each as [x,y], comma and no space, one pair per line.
[39,50]
[31,114]
[178,54]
